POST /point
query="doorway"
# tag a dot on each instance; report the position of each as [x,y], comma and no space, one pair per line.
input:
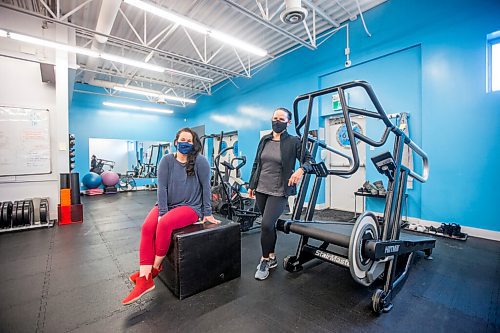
[340,191]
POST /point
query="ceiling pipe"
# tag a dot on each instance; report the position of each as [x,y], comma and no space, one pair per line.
[143,79]
[259,19]
[321,13]
[102,83]
[84,32]
[105,21]
[111,85]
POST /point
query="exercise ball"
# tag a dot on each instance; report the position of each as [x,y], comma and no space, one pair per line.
[91,180]
[109,178]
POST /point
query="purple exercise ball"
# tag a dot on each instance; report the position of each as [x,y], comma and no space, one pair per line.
[109,178]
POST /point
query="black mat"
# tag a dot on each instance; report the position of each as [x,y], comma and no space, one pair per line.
[73,278]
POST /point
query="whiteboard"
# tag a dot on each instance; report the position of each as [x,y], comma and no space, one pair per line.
[24,141]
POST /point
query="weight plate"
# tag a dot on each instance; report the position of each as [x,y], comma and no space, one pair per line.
[26,212]
[14,214]
[36,210]
[6,214]
[365,228]
[17,213]
[20,222]
[31,212]
[1,216]
[44,211]
[20,213]
[7,207]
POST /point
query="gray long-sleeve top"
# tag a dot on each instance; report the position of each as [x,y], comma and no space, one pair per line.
[176,188]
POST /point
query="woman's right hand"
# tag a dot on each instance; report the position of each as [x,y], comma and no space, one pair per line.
[251,193]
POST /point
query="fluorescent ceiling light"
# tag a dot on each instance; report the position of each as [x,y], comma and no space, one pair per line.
[178,99]
[134,107]
[131,62]
[174,71]
[106,56]
[158,11]
[237,43]
[138,91]
[152,93]
[193,25]
[54,45]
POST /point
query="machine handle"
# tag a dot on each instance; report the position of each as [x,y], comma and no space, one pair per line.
[332,150]
[425,161]
[302,126]
[242,159]
[217,158]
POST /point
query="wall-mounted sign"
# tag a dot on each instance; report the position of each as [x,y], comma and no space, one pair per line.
[343,138]
[336,106]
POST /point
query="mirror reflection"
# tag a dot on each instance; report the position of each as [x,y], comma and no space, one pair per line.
[136,158]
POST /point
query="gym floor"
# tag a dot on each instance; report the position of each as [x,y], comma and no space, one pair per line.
[73,278]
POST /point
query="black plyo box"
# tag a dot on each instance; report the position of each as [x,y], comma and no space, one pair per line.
[202,256]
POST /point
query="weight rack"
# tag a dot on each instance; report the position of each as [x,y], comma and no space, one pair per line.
[25,215]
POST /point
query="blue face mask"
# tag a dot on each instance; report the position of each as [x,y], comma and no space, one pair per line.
[184,147]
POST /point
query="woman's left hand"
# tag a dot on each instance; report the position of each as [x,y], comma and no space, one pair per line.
[210,219]
[296,176]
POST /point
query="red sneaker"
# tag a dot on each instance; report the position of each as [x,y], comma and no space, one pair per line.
[144,285]
[133,277]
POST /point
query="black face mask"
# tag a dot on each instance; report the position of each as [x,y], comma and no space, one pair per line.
[279,126]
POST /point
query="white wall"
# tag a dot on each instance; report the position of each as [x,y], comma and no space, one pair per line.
[21,86]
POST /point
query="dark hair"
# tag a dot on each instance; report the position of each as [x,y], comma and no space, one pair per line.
[288,113]
[194,152]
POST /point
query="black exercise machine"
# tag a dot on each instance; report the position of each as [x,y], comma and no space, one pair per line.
[227,199]
[371,251]
[210,154]
[101,163]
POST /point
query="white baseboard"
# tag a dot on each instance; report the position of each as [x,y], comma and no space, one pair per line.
[482,233]
[318,206]
[143,188]
[473,232]
[322,206]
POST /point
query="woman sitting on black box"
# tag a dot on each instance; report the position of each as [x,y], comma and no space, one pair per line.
[273,180]
[183,198]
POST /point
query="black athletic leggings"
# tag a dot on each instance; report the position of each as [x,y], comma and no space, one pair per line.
[271,208]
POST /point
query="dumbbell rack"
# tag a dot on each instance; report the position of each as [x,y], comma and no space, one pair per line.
[25,215]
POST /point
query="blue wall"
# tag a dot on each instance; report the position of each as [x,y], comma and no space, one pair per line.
[88,118]
[446,95]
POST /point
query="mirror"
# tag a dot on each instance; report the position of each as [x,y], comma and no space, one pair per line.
[137,158]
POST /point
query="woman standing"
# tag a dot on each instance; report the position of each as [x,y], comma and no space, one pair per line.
[183,198]
[273,179]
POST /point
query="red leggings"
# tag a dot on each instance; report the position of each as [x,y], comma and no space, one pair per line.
[156,235]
